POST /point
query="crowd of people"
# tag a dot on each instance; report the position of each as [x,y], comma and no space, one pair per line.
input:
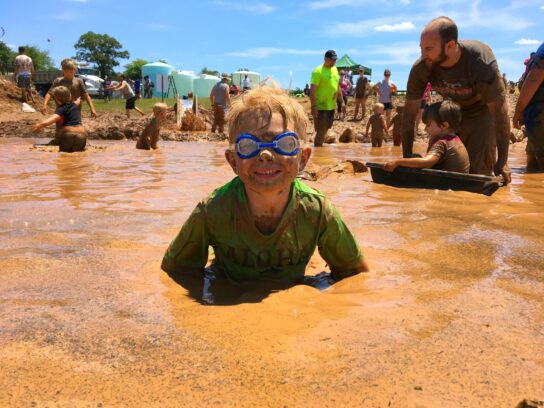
[278,220]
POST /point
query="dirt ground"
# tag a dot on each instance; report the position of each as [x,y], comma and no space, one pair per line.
[113,126]
[89,320]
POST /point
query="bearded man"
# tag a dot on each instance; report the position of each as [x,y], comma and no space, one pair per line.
[466,72]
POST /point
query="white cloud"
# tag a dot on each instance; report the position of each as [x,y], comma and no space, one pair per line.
[405,2]
[527,41]
[404,26]
[265,52]
[256,8]
[323,4]
[495,19]
[366,27]
[403,53]
[541,7]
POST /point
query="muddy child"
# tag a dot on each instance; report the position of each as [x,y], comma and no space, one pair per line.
[150,135]
[74,84]
[71,136]
[265,224]
[376,124]
[396,125]
[445,151]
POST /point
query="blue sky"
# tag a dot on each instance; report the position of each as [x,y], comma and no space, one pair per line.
[276,38]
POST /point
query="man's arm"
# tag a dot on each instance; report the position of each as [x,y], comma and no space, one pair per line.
[313,90]
[532,82]
[499,110]
[212,97]
[227,95]
[411,109]
[117,87]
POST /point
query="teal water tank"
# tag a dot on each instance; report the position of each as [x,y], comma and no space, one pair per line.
[203,84]
[238,78]
[184,82]
[155,71]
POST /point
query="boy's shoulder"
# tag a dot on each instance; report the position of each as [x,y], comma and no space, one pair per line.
[233,193]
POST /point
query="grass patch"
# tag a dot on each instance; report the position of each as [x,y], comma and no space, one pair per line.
[146,105]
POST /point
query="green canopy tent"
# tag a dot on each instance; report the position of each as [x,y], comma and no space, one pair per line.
[347,63]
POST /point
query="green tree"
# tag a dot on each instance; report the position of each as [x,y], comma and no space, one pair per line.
[101,49]
[133,70]
[207,71]
[41,59]
[7,57]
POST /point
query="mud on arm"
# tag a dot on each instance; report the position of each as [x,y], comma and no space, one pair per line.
[499,110]
[411,109]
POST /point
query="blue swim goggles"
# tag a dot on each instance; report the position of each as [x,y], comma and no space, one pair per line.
[248,146]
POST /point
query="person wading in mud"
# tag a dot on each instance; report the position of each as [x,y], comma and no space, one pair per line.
[24,72]
[324,96]
[467,73]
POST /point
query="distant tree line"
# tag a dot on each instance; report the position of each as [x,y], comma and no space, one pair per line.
[41,58]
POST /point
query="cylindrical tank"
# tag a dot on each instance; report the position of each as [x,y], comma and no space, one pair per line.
[203,84]
[158,72]
[184,82]
[238,78]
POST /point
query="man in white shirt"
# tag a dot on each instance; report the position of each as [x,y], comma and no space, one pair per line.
[24,72]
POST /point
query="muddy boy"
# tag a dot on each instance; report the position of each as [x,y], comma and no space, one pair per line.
[265,223]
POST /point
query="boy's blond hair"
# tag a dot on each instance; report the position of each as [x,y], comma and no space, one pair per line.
[68,64]
[262,102]
[159,107]
[62,94]
[378,106]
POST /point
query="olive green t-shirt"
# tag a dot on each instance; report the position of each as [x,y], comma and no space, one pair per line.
[244,254]
[474,81]
[326,80]
[76,86]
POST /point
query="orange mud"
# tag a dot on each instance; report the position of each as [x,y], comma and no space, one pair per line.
[451,314]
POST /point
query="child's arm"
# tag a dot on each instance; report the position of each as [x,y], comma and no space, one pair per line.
[367,127]
[188,252]
[415,162]
[155,136]
[338,247]
[49,121]
[384,125]
[46,99]
[90,103]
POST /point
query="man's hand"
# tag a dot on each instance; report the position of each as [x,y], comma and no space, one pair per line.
[43,109]
[36,128]
[505,172]
[93,112]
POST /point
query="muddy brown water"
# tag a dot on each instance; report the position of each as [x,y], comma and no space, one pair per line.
[451,315]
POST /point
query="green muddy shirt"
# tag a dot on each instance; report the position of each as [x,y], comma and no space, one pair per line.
[244,254]
[326,80]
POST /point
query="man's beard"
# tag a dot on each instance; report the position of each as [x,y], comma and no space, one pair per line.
[441,58]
